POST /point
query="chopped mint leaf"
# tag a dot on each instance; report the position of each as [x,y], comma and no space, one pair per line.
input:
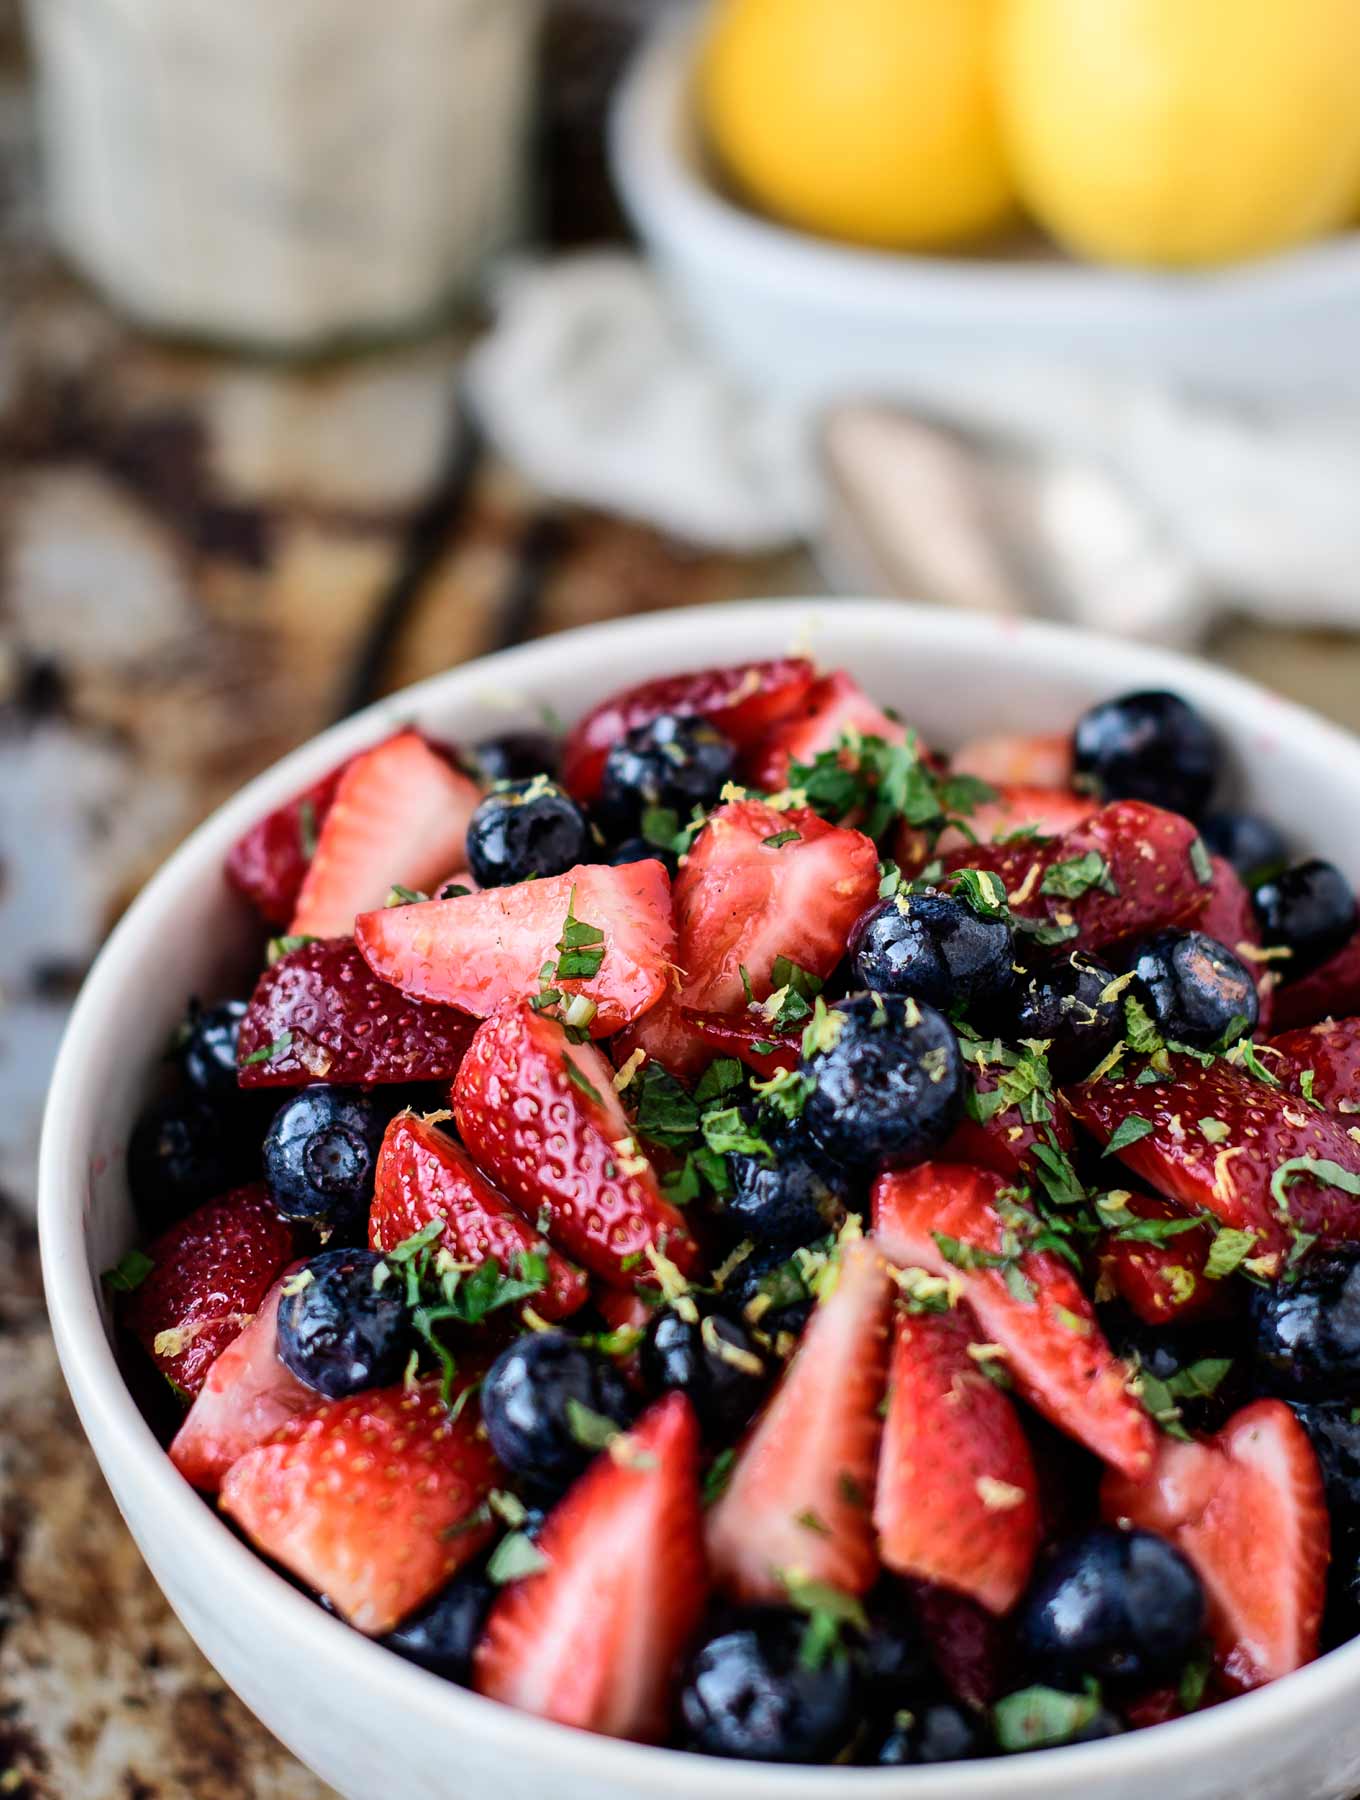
[280,947]
[727,1133]
[1201,864]
[307,834]
[780,838]
[591,1430]
[968,1256]
[1230,1249]
[666,1114]
[1320,1168]
[660,825]
[1129,1132]
[268,1052]
[718,1476]
[984,892]
[829,1612]
[128,1273]
[404,896]
[1037,1718]
[578,1078]
[516,1556]
[1070,880]
[718,1078]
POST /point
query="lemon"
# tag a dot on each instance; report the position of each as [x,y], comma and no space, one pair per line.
[1182,132]
[872,120]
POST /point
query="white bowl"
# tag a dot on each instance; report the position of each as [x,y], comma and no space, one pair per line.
[366,1721]
[817,320]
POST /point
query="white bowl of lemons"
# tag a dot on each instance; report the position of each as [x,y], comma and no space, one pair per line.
[843,198]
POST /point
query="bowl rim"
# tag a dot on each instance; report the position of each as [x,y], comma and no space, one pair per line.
[651,126]
[111,1417]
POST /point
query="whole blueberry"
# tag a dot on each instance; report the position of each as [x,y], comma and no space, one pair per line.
[712,1359]
[637,849]
[894,1656]
[517,756]
[344,1328]
[1253,845]
[791,1197]
[1334,1429]
[939,1731]
[527,1407]
[766,1289]
[889,1080]
[1120,1606]
[524,830]
[675,763]
[1309,910]
[207,1048]
[1184,1357]
[443,1635]
[1307,1331]
[936,947]
[750,1692]
[1195,988]
[1147,746]
[183,1151]
[320,1154]
[1063,1001]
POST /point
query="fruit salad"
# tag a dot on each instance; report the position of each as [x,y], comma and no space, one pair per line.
[743,1231]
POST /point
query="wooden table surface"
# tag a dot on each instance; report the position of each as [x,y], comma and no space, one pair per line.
[193,553]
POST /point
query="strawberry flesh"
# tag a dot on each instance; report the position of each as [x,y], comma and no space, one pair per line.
[1005,1142]
[1038,811]
[336,1021]
[801,1489]
[1331,991]
[668,1035]
[747,1039]
[593,1639]
[369,1500]
[1163,1282]
[209,1278]
[482,951]
[1052,1344]
[423,1175]
[540,1115]
[1012,761]
[1331,1050]
[835,705]
[269,864]
[1230,918]
[957,1500]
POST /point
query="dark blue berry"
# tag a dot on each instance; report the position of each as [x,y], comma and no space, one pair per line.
[1147,746]
[1120,1606]
[525,830]
[936,947]
[442,1636]
[637,849]
[345,1329]
[1187,1359]
[672,763]
[1334,1429]
[531,1401]
[890,1087]
[1062,1001]
[710,1358]
[183,1151]
[320,1154]
[894,1656]
[1310,911]
[789,1198]
[767,1289]
[1195,988]
[1254,847]
[518,756]
[939,1731]
[1307,1331]
[207,1048]
[749,1693]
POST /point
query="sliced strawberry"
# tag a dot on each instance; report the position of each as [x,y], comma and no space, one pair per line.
[399,818]
[269,864]
[482,951]
[210,1274]
[1230,918]
[1035,811]
[1218,1138]
[1247,1509]
[1331,991]
[246,1395]
[541,1117]
[666,1035]
[1005,1141]
[835,705]
[743,701]
[1014,761]
[1163,1282]
[423,1175]
[594,1639]
[801,1489]
[323,1015]
[369,1500]
[1053,1346]
[1331,1050]
[744,1037]
[745,898]
[957,1500]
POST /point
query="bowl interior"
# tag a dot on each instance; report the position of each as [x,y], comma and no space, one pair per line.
[951,676]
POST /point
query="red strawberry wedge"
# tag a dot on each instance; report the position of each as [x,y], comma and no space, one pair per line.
[1005,1141]
[743,701]
[1040,1318]
[800,1496]
[369,1500]
[837,704]
[321,1014]
[483,951]
[1247,1509]
[246,1396]
[399,818]
[668,1035]
[540,1115]
[1331,1050]
[269,864]
[594,1638]
[957,1500]
[1331,991]
[749,1039]
[1230,918]
[1225,1143]
[423,1175]
[209,1277]
[1042,812]
[1028,762]
[760,884]
[1163,1280]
